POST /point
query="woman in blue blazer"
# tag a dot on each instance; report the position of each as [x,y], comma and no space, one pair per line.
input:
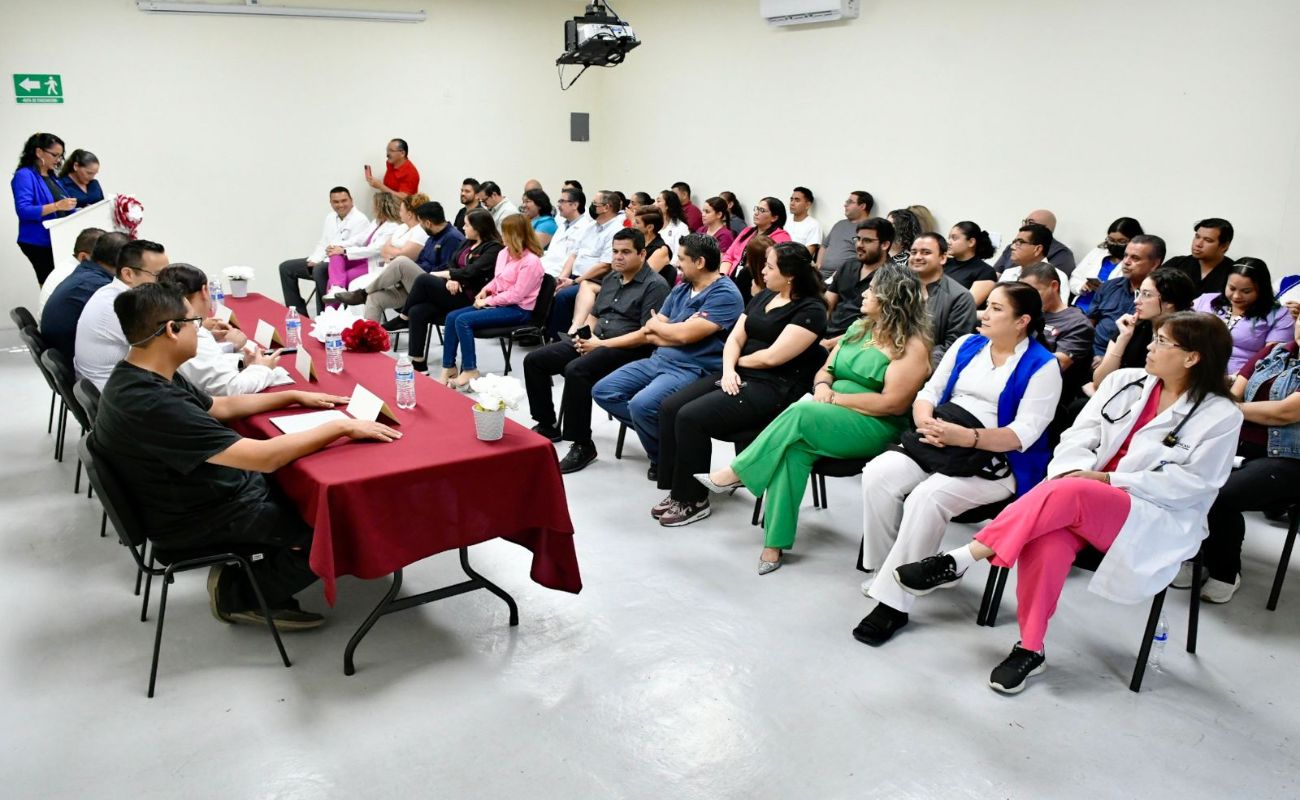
[37,197]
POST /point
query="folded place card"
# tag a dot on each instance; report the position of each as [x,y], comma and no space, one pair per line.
[297,423]
[266,335]
[369,406]
[226,314]
[303,363]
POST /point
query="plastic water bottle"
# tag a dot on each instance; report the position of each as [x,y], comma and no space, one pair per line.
[1158,643]
[405,382]
[334,352]
[218,296]
[292,329]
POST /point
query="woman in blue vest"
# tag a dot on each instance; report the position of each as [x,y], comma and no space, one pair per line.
[1005,385]
[38,196]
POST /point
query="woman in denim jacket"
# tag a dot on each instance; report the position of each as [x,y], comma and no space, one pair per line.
[1269,388]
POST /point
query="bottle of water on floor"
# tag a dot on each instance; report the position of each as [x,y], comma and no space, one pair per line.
[292,329]
[405,382]
[334,352]
[218,296]
[1158,644]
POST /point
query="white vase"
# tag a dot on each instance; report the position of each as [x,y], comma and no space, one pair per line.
[238,288]
[490,425]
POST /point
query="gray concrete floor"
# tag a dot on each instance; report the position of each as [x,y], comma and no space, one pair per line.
[678,672]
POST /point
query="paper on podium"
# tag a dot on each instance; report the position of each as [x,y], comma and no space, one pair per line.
[369,406]
[297,423]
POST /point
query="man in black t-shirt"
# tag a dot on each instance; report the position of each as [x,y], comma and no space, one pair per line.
[844,295]
[195,483]
[1208,265]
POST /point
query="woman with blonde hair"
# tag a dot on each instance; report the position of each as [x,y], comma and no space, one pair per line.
[508,299]
[346,264]
[861,398]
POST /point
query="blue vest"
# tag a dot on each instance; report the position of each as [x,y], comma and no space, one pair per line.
[1030,467]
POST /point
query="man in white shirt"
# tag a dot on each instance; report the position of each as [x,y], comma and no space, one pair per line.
[802,226]
[589,261]
[344,226]
[489,194]
[100,341]
[571,225]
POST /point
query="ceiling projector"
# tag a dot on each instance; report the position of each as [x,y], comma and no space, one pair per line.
[597,39]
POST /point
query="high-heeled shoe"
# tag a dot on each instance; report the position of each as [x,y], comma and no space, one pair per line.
[765,567]
[703,477]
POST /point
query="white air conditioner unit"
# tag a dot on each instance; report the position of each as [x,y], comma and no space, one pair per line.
[806,12]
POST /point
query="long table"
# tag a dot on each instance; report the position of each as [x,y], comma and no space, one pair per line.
[377,508]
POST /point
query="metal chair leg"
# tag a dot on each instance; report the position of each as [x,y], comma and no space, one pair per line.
[758,510]
[103,533]
[1194,609]
[507,345]
[49,426]
[148,583]
[76,481]
[990,590]
[266,612]
[157,638]
[618,446]
[991,619]
[821,481]
[60,430]
[812,484]
[1144,652]
[1285,562]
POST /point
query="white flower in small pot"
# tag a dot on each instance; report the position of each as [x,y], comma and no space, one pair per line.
[493,395]
[239,278]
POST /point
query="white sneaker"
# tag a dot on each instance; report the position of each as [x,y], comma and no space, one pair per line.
[333,291]
[1183,580]
[1219,591]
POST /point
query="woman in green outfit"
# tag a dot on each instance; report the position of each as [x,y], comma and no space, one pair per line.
[860,404]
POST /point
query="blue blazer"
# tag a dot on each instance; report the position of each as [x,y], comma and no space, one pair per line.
[30,193]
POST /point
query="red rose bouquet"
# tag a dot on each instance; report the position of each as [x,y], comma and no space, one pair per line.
[366,336]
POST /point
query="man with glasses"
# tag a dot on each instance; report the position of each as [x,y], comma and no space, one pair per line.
[490,197]
[1057,253]
[571,225]
[1116,296]
[844,295]
[589,261]
[194,482]
[839,249]
[1032,244]
[100,342]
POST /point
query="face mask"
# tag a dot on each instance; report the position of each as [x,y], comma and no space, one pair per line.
[591,209]
[1116,250]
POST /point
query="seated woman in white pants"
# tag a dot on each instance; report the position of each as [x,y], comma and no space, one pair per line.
[1010,383]
[1133,477]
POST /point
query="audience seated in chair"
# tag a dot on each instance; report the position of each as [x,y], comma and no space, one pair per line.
[345,226]
[617,336]
[63,309]
[1269,390]
[81,253]
[769,221]
[571,221]
[860,400]
[689,333]
[848,288]
[1162,292]
[507,299]
[1247,306]
[196,482]
[1101,262]
[907,227]
[1114,299]
[226,362]
[590,260]
[839,247]
[1117,485]
[1030,247]
[736,220]
[1057,253]
[981,437]
[669,205]
[537,208]
[1208,265]
[749,277]
[716,222]
[649,222]
[693,216]
[468,201]
[489,194]
[802,226]
[768,362]
[350,262]
[968,247]
[100,342]
[951,307]
[1066,330]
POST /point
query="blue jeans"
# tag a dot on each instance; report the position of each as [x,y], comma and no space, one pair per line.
[633,393]
[459,329]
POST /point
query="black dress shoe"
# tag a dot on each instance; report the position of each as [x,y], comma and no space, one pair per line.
[351,298]
[578,457]
[396,325]
[549,431]
[653,473]
[877,627]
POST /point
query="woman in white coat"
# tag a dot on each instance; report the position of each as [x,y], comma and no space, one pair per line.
[1133,477]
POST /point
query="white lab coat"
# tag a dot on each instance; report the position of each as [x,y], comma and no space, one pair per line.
[1171,488]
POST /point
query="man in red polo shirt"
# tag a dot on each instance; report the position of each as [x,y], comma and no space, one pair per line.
[400,175]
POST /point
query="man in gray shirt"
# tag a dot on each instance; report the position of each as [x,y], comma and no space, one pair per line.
[838,247]
[1066,329]
[613,335]
[951,307]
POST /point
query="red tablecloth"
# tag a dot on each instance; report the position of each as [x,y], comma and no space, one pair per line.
[377,507]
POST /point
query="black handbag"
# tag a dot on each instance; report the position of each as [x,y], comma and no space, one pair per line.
[954,461]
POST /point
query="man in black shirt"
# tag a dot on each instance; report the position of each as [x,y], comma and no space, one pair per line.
[628,297]
[1208,265]
[844,295]
[196,483]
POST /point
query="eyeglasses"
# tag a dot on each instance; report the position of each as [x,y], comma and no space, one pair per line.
[198,321]
[761,210]
[58,157]
[1146,294]
[865,239]
[1019,243]
[1161,343]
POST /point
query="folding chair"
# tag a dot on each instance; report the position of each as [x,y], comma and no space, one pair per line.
[536,325]
[61,371]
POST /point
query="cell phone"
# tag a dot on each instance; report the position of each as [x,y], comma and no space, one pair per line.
[369,173]
[584,332]
[284,351]
[718,383]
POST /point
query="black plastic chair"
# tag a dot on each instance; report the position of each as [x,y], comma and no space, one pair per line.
[507,335]
[23,318]
[88,396]
[1089,559]
[35,346]
[1293,518]
[61,372]
[121,510]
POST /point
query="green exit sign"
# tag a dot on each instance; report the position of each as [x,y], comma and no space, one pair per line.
[38,88]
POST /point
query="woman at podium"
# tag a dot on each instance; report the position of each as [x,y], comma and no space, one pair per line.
[78,178]
[39,196]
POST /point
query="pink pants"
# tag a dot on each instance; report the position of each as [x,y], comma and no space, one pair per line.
[344,270]
[1044,531]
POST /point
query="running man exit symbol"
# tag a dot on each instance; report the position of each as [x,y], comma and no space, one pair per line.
[36,88]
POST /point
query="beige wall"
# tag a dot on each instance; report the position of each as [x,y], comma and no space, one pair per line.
[231,130]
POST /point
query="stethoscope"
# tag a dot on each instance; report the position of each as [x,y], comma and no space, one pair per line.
[1171,440]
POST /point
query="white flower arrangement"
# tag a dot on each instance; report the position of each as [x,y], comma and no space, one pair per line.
[496,392]
[238,273]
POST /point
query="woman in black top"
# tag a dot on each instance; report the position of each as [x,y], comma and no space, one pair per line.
[968,247]
[1164,291]
[434,295]
[770,359]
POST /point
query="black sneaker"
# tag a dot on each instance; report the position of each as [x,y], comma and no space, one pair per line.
[578,457]
[924,576]
[396,325]
[652,474]
[679,514]
[1009,677]
[880,625]
[286,620]
[549,431]
[217,589]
